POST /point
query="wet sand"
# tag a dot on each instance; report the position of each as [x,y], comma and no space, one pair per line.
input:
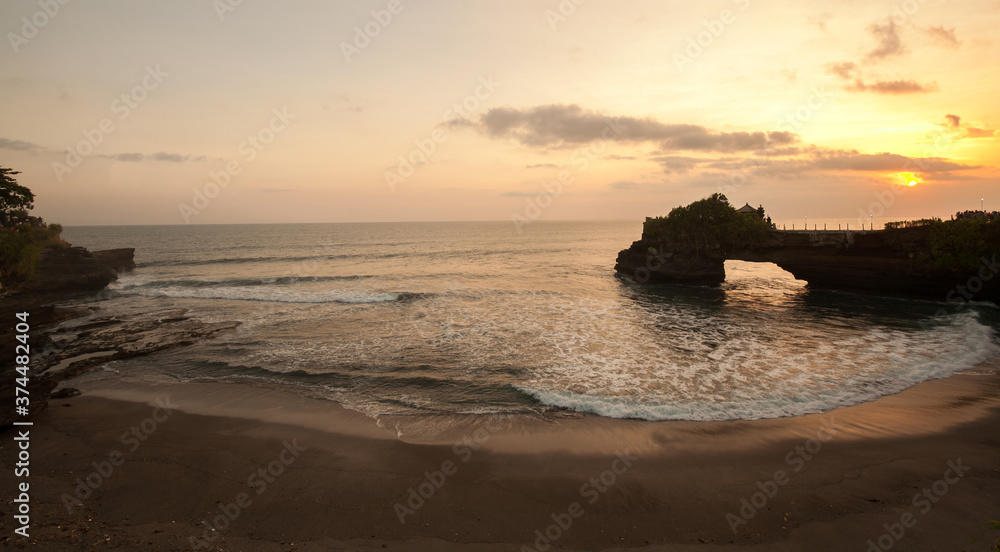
[243,468]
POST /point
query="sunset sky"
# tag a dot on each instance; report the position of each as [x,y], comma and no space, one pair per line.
[120,112]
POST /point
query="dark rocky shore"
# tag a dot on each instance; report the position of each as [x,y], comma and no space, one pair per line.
[884,262]
[65,278]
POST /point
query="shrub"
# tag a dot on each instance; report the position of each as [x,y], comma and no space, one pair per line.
[911,223]
[18,256]
[960,245]
[20,250]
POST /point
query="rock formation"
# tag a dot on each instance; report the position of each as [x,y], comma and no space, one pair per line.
[122,260]
[59,355]
[884,262]
[68,270]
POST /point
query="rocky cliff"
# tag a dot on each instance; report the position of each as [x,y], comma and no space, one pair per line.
[885,262]
[122,260]
[67,270]
[62,272]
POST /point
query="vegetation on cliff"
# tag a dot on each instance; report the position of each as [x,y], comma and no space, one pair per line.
[911,223]
[956,246]
[961,245]
[707,225]
[22,237]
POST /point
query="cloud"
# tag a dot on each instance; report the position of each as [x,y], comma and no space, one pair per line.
[729,141]
[954,122]
[819,21]
[853,161]
[889,43]
[620,157]
[625,185]
[780,152]
[457,122]
[519,194]
[844,70]
[566,125]
[951,177]
[19,145]
[343,102]
[646,187]
[158,156]
[677,164]
[169,157]
[893,87]
[973,132]
[542,166]
[943,36]
[126,157]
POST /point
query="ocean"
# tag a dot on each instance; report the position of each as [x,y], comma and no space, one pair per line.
[471,318]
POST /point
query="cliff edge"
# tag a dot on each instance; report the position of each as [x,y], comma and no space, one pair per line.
[888,262]
[61,273]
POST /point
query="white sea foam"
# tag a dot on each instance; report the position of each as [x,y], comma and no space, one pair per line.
[282,289]
[268,293]
[750,379]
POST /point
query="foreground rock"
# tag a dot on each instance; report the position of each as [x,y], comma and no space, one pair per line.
[61,346]
[70,349]
[884,261]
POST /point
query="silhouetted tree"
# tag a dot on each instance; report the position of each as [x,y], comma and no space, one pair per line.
[15,200]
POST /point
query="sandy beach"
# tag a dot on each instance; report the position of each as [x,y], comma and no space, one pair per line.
[233,467]
[500,276]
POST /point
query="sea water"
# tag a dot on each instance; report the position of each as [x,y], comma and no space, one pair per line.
[475,317]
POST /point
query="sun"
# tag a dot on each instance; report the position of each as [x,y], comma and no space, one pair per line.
[908,179]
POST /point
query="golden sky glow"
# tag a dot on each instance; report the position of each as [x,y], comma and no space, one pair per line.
[640,106]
